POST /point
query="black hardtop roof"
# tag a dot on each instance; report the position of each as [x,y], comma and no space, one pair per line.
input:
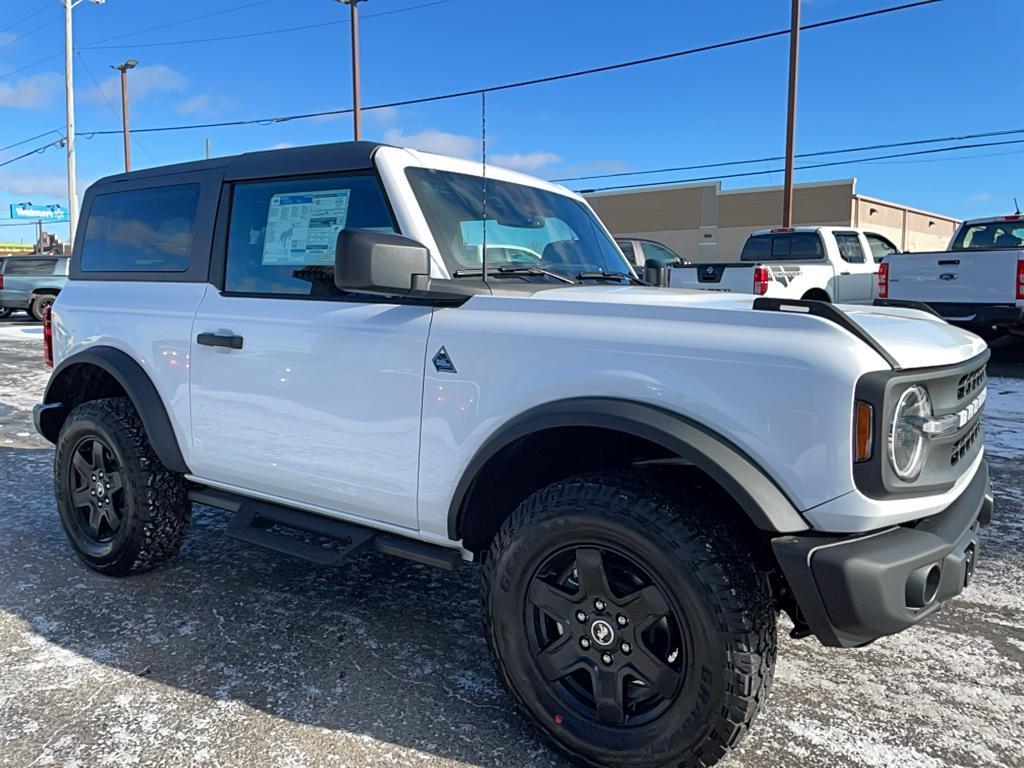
[291,161]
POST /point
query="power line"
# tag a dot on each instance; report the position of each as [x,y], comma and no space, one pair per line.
[538,80]
[266,32]
[23,19]
[831,164]
[36,151]
[244,7]
[726,164]
[26,141]
[13,72]
[19,38]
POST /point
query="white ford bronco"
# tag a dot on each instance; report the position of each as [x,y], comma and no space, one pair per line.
[355,345]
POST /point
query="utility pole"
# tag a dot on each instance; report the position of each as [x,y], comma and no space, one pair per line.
[356,116]
[794,51]
[69,136]
[123,69]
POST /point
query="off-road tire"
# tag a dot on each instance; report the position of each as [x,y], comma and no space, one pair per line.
[706,569]
[39,303]
[156,508]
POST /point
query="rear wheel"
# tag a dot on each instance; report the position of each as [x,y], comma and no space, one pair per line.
[39,305]
[632,628]
[123,511]
[5,312]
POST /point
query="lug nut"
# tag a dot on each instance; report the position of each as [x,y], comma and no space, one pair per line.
[94,477]
[607,658]
[92,493]
[581,617]
[599,604]
[622,620]
[584,643]
[626,648]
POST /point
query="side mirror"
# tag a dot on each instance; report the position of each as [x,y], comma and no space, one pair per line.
[384,263]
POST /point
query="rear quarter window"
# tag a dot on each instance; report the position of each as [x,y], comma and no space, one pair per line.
[30,266]
[141,230]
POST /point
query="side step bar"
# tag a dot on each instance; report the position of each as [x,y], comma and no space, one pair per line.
[271,526]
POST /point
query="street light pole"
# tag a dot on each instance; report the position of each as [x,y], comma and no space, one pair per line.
[123,69]
[356,115]
[69,136]
[794,50]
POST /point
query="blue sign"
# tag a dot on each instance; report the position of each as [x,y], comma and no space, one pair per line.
[29,212]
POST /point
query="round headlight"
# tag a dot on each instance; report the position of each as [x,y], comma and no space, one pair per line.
[908,445]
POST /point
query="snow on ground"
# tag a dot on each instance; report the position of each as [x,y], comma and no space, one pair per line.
[1004,412]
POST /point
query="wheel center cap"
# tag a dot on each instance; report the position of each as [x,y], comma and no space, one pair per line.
[602,633]
[100,490]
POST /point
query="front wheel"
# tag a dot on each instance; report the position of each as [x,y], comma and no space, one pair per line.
[632,628]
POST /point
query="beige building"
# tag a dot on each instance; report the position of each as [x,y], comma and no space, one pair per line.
[701,222]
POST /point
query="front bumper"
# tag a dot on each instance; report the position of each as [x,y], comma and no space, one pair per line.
[851,590]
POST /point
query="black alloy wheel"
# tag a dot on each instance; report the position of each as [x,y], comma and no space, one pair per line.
[605,636]
[97,490]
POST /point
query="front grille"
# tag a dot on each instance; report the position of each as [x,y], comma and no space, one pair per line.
[963,446]
[970,383]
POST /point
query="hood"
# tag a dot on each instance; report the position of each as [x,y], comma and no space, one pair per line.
[915,339]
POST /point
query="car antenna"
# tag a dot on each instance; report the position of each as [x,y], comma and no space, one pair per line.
[483,148]
[1016,205]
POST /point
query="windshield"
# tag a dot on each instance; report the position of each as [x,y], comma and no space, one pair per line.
[989,235]
[524,226]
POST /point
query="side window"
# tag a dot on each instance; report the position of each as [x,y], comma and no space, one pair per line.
[626,246]
[31,267]
[850,248]
[658,254]
[283,234]
[757,248]
[880,247]
[141,230]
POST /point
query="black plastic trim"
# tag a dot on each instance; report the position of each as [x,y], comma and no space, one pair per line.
[139,388]
[764,502]
[830,312]
[920,306]
[851,590]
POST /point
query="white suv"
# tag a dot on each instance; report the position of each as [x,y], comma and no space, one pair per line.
[310,339]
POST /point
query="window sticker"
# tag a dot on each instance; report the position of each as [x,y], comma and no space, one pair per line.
[303,227]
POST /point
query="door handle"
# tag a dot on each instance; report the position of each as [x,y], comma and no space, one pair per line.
[844,273]
[219,340]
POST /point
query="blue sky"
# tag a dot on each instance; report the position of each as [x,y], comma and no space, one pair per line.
[946,69]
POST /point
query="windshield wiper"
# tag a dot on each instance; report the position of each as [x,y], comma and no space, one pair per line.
[511,272]
[617,276]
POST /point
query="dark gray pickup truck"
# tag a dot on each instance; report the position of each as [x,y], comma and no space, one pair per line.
[31,283]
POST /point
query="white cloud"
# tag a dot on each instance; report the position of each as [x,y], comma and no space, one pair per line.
[980,197]
[383,115]
[527,163]
[35,184]
[282,145]
[142,82]
[201,102]
[6,38]
[433,140]
[32,92]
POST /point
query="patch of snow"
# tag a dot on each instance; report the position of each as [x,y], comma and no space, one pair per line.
[1004,414]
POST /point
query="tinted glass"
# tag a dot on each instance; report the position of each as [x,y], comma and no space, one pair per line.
[626,246]
[990,235]
[658,254]
[283,234]
[29,266]
[850,248]
[141,230]
[880,247]
[545,229]
[757,248]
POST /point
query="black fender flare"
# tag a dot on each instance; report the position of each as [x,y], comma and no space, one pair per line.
[743,479]
[137,385]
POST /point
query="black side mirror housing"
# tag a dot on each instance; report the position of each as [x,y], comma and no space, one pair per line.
[382,263]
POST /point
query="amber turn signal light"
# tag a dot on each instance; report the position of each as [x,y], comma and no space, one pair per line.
[862,432]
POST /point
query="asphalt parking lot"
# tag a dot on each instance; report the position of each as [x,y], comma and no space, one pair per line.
[235,657]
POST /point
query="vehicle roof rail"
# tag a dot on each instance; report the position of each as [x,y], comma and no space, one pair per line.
[906,304]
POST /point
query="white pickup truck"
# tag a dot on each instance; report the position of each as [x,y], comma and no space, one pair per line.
[977,283]
[824,263]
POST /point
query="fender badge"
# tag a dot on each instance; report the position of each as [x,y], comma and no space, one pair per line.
[443,363]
